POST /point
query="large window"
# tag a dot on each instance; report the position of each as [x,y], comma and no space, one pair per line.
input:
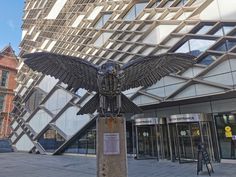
[4,78]
[224,30]
[195,46]
[208,59]
[34,100]
[101,22]
[135,11]
[2,97]
[204,29]
[39,121]
[85,144]
[168,3]
[57,101]
[227,45]
[182,3]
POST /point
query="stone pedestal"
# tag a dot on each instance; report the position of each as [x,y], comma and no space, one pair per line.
[111,147]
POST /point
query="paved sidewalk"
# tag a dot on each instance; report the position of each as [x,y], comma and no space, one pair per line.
[31,165]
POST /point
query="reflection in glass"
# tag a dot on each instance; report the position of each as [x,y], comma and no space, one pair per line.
[168,3]
[135,11]
[57,101]
[234,33]
[207,60]
[81,92]
[226,46]
[33,101]
[85,143]
[101,22]
[181,3]
[40,120]
[224,30]
[51,140]
[69,122]
[156,3]
[195,46]
[204,29]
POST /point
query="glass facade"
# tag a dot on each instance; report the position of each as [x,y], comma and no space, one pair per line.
[101,22]
[122,31]
[40,120]
[134,11]
[204,29]
[224,30]
[69,122]
[84,144]
[34,100]
[57,101]
[195,46]
[207,60]
[226,45]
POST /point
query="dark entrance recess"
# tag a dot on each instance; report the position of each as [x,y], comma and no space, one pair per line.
[51,140]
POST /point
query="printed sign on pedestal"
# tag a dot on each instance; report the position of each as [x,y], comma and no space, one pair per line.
[111,144]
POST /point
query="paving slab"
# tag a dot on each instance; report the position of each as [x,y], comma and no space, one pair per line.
[33,165]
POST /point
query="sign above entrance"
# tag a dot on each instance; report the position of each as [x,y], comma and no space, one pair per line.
[146,121]
[185,118]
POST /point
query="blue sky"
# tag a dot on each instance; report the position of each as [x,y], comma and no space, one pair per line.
[10,23]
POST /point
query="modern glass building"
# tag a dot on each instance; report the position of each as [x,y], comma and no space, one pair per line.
[180,111]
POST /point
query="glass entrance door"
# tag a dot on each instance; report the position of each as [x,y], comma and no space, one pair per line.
[226,130]
[163,143]
[185,137]
[146,142]
[189,138]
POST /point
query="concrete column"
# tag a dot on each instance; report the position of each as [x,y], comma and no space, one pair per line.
[111,147]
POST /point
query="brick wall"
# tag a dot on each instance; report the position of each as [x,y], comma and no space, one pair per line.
[9,63]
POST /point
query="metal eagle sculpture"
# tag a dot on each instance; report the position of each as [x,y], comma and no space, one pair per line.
[109,79]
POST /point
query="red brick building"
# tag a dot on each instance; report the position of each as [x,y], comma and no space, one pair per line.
[8,71]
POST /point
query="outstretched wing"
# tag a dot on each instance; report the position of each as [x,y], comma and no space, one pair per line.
[145,71]
[75,72]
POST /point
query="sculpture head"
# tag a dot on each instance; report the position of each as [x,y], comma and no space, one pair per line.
[110,68]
